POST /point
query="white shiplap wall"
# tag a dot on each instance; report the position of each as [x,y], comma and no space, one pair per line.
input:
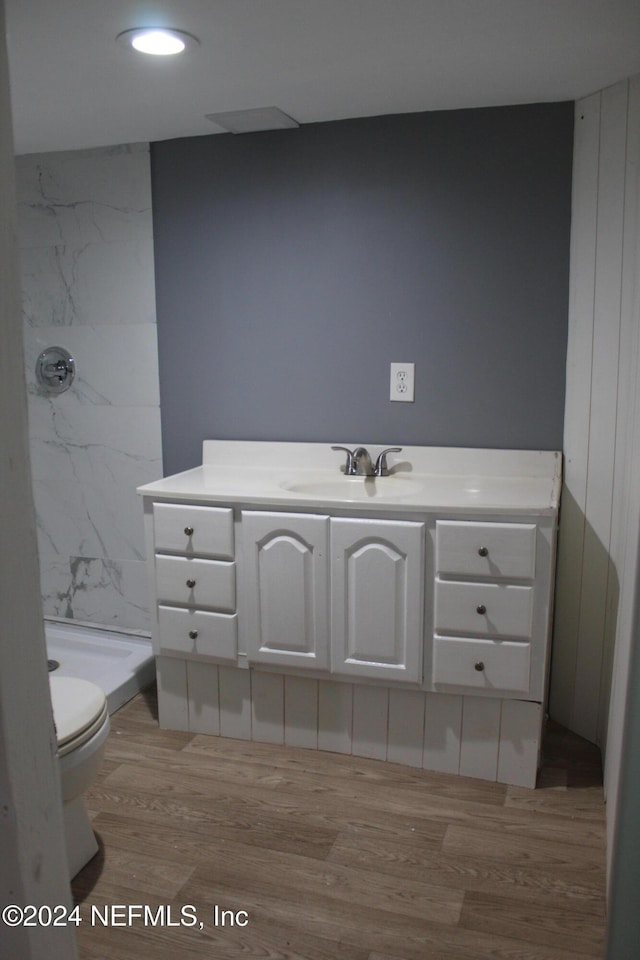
[599,515]
[485,737]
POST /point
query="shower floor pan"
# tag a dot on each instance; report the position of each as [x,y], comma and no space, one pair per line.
[122,664]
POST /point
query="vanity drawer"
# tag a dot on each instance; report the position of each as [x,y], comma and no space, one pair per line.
[496,609]
[482,664]
[197,633]
[496,550]
[196,583]
[202,531]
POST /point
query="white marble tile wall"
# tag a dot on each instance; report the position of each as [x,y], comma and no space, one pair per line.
[86,247]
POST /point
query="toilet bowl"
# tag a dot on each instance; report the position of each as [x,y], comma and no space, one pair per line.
[82,725]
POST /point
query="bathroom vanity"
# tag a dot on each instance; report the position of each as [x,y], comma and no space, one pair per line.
[404,617]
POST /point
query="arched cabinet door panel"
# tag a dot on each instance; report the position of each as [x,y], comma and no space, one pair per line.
[285,607]
[377,598]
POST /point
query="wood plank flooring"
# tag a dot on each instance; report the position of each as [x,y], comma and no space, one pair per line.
[317,856]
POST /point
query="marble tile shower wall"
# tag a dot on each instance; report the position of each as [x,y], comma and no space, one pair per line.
[86,247]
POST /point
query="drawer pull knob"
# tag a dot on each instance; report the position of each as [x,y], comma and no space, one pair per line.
[483,552]
[481,609]
[188,531]
[191,584]
[193,634]
[479,666]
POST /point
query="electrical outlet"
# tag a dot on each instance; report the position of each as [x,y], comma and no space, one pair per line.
[402,382]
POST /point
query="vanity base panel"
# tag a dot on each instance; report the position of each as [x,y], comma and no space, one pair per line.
[487,738]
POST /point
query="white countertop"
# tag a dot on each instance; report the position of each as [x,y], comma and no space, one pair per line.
[299,475]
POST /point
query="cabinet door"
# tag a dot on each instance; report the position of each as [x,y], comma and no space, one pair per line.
[283,609]
[377,576]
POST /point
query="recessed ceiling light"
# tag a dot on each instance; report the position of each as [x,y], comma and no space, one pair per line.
[157,41]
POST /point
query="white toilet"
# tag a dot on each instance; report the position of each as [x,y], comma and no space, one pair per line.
[82,725]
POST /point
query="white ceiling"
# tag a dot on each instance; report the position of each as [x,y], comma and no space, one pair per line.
[73,86]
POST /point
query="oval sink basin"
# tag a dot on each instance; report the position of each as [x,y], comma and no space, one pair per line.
[354,488]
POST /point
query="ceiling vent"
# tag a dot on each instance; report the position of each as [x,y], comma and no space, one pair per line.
[251,121]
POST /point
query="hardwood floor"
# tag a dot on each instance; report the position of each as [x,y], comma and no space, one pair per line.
[317,856]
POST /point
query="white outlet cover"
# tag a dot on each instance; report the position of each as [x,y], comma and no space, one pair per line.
[401,387]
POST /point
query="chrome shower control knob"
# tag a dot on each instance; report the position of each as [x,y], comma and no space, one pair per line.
[483,552]
[188,531]
[191,584]
[479,666]
[193,634]
[481,609]
[55,370]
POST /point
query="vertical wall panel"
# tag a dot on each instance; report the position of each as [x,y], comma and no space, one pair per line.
[235,703]
[480,738]
[600,378]
[577,405]
[301,712]
[335,716]
[406,726]
[173,695]
[626,502]
[602,426]
[520,726]
[204,706]
[267,707]
[442,732]
[33,863]
[370,721]
[623,592]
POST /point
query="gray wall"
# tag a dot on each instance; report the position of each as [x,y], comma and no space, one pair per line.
[293,266]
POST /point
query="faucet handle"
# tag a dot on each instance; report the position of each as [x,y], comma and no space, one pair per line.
[382,469]
[350,467]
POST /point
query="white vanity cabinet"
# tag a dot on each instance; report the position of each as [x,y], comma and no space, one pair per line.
[377,598]
[405,618]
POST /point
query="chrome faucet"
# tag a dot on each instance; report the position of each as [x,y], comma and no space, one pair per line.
[359,463]
[362,465]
